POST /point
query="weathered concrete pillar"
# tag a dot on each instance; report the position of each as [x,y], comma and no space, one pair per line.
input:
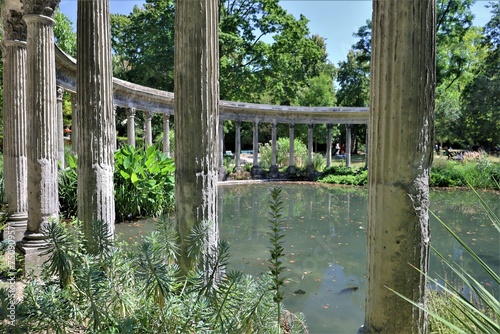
[41,111]
[60,127]
[74,125]
[255,167]
[348,140]
[237,148]
[274,167]
[14,121]
[148,140]
[310,129]
[196,107]
[131,126]
[401,128]
[291,164]
[329,145]
[166,134]
[96,120]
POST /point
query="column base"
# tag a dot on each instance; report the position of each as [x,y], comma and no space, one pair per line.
[256,172]
[292,170]
[274,172]
[17,224]
[30,250]
[222,173]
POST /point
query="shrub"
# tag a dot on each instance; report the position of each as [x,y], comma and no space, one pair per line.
[283,153]
[68,203]
[344,175]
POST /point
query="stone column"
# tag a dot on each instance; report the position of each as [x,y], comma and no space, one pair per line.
[348,149]
[74,125]
[291,164]
[401,127]
[148,140]
[310,166]
[14,123]
[166,134]
[237,149]
[96,119]
[329,145]
[367,136]
[115,109]
[196,107]
[131,126]
[255,167]
[274,167]
[41,111]
[60,127]
[222,169]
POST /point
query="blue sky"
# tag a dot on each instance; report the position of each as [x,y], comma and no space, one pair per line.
[335,20]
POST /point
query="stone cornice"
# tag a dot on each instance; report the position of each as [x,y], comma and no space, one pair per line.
[129,95]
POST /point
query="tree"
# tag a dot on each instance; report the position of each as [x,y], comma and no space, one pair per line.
[481,101]
[401,128]
[64,35]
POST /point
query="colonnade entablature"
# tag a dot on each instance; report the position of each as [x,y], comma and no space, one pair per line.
[129,95]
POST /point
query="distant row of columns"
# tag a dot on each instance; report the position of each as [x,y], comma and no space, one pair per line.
[274,167]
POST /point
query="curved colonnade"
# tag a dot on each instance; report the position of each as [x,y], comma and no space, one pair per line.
[136,97]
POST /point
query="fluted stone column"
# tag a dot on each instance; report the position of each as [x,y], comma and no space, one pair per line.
[60,127]
[348,144]
[14,123]
[367,136]
[166,134]
[291,164]
[196,107]
[148,140]
[255,167]
[74,125]
[401,128]
[41,111]
[222,169]
[96,119]
[310,166]
[329,145]
[131,126]
[115,110]
[274,167]
[237,149]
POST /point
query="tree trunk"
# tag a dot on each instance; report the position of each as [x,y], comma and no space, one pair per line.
[401,128]
[196,121]
[96,120]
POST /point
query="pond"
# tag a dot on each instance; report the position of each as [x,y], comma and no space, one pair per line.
[325,243]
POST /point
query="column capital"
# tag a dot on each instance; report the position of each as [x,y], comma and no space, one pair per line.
[41,7]
[148,115]
[292,125]
[275,122]
[310,125]
[59,93]
[131,112]
[14,28]
[348,126]
[238,122]
[329,126]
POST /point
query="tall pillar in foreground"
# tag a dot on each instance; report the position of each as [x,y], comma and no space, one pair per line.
[131,126]
[196,107]
[96,120]
[274,167]
[148,138]
[329,145]
[237,148]
[401,128]
[60,127]
[14,123]
[166,134]
[348,144]
[291,163]
[41,111]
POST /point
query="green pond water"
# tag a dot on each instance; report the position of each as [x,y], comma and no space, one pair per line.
[325,243]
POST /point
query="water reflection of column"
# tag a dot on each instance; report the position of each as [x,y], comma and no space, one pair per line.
[348,128]
[255,216]
[329,145]
[166,134]
[348,208]
[237,148]
[131,126]
[274,166]
[60,126]
[148,141]
[310,147]
[291,165]
[255,167]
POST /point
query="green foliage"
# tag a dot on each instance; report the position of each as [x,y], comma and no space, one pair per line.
[144,182]
[283,153]
[136,289]
[452,309]
[68,185]
[341,174]
[64,35]
[276,238]
[480,174]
